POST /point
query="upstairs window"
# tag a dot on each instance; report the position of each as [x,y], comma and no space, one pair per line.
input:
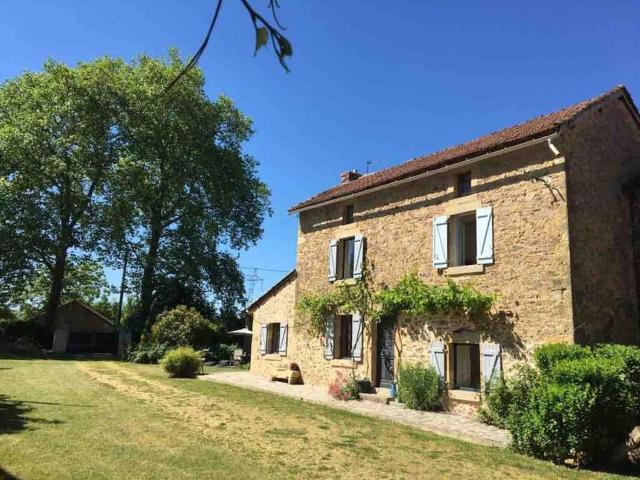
[464,184]
[462,240]
[346,257]
[465,239]
[347,216]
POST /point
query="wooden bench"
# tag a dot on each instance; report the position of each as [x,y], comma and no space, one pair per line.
[284,373]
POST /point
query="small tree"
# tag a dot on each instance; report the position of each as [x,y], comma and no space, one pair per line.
[183,326]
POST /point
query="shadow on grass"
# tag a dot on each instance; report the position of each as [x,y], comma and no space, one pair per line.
[14,416]
[55,356]
[4,475]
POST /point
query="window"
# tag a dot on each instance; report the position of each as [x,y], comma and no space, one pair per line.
[464,184]
[273,337]
[347,216]
[346,257]
[462,240]
[466,366]
[344,334]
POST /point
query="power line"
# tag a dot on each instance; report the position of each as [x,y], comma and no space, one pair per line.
[265,269]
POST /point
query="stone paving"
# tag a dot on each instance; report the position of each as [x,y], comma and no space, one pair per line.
[437,422]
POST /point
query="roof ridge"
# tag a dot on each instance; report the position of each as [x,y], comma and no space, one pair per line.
[512,135]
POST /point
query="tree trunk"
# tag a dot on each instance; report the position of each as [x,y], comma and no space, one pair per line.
[148,276]
[53,301]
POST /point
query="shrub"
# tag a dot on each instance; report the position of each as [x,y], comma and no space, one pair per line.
[146,353]
[183,327]
[580,404]
[17,328]
[182,362]
[224,351]
[498,400]
[344,389]
[556,423]
[419,387]
[546,356]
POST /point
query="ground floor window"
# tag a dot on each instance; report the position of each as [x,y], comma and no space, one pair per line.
[466,366]
[344,331]
[273,337]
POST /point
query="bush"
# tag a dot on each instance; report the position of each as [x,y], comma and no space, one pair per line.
[419,387]
[182,327]
[546,356]
[556,423]
[224,351]
[344,388]
[579,404]
[17,328]
[182,362]
[146,353]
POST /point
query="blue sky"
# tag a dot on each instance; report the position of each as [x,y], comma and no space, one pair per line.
[372,80]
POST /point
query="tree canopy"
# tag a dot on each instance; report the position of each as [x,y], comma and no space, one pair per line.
[58,141]
[98,161]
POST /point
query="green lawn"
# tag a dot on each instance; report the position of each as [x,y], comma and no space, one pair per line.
[88,419]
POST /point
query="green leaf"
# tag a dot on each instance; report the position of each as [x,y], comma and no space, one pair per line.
[262,35]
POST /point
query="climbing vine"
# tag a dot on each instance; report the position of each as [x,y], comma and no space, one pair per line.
[411,295]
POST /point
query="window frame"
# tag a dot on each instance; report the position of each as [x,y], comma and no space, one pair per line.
[347,214]
[457,240]
[342,258]
[463,184]
[475,352]
[343,344]
[273,335]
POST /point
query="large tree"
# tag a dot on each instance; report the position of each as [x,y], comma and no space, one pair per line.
[58,141]
[186,194]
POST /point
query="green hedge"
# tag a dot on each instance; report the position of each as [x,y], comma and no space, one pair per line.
[182,362]
[579,403]
[183,326]
[146,353]
[419,387]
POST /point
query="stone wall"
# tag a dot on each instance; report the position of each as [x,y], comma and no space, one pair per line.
[602,148]
[531,277]
[278,307]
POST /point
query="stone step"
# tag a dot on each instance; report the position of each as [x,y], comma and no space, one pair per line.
[374,397]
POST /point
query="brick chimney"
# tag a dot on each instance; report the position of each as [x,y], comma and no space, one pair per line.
[349,176]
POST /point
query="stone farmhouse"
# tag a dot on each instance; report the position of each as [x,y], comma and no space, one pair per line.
[545,214]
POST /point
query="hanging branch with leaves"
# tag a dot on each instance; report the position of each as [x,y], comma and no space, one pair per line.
[264,29]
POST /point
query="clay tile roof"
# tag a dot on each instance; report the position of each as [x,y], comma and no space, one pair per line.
[535,128]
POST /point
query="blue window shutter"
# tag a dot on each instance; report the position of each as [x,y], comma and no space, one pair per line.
[484,235]
[284,330]
[357,332]
[440,242]
[491,367]
[333,260]
[329,335]
[358,253]
[437,358]
[263,339]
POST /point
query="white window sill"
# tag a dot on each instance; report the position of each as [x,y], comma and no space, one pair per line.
[345,281]
[272,357]
[464,395]
[343,363]
[463,270]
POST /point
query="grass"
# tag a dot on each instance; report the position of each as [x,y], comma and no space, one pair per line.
[89,419]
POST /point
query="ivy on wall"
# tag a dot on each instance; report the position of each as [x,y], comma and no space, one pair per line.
[411,295]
